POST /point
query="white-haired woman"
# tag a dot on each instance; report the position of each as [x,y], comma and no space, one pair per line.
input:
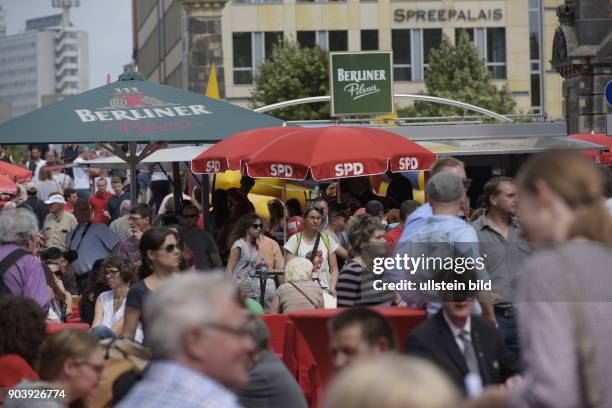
[24,275]
[298,292]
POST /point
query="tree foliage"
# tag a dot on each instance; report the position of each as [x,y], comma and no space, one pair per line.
[293,72]
[457,72]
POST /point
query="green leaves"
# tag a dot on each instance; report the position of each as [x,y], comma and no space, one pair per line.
[293,72]
[457,72]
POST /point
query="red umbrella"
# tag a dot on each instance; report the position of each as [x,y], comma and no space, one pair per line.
[228,153]
[334,152]
[7,186]
[15,173]
[600,139]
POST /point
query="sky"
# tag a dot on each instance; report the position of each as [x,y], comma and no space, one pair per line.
[108,22]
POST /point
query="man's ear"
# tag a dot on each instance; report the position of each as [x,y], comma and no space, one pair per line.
[193,340]
[382,344]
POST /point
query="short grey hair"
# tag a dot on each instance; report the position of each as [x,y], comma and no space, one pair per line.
[298,269]
[259,332]
[125,207]
[17,225]
[180,303]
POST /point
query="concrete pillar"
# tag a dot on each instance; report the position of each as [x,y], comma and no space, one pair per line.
[204,45]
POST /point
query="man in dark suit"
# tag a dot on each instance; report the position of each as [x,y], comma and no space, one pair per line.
[461,343]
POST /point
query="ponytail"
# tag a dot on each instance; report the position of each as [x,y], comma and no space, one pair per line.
[593,222]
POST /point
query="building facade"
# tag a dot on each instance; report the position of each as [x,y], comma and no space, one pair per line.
[46,62]
[513,37]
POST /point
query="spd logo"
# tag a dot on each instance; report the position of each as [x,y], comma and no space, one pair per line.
[281,170]
[408,163]
[348,169]
[213,166]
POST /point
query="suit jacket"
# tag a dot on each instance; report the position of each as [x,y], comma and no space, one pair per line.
[434,341]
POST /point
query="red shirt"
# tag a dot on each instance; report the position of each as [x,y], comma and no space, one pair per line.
[98,205]
[394,235]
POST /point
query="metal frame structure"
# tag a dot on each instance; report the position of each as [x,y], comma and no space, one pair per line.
[423,98]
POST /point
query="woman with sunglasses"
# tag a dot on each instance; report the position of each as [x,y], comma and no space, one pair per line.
[110,306]
[161,255]
[246,257]
[70,367]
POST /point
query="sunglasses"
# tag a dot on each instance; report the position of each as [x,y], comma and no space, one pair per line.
[257,226]
[190,216]
[170,248]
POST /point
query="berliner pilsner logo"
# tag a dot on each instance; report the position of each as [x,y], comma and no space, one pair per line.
[361,83]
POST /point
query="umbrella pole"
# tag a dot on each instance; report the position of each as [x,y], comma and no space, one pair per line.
[205,202]
[133,178]
[284,198]
[208,216]
[338,200]
[178,192]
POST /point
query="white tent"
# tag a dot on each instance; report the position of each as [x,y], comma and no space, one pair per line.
[164,157]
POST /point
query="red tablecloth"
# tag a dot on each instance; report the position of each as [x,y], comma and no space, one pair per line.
[55,327]
[312,325]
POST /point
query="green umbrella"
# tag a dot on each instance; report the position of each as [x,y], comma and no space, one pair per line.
[133,110]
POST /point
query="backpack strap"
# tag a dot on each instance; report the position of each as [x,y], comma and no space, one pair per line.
[325,239]
[299,241]
[8,261]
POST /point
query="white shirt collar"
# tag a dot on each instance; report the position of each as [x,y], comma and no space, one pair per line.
[456,330]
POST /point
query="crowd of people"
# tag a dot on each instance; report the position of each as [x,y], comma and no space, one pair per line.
[192,294]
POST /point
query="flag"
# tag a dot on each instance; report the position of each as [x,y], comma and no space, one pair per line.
[212,88]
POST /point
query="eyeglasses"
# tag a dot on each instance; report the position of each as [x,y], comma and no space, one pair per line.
[134,218]
[190,215]
[314,218]
[235,331]
[98,368]
[257,226]
[170,248]
[111,271]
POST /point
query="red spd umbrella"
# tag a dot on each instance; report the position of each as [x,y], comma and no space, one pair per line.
[334,152]
[7,186]
[600,139]
[15,173]
[228,153]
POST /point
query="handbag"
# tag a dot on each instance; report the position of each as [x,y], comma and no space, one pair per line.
[316,306]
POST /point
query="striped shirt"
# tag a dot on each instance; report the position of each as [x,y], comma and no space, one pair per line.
[167,384]
[355,287]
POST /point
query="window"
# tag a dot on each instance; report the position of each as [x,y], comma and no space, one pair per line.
[400,43]
[271,38]
[491,45]
[535,91]
[369,40]
[307,38]
[534,55]
[496,52]
[431,39]
[243,58]
[338,40]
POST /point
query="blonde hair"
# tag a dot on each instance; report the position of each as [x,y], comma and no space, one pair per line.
[61,346]
[577,181]
[298,269]
[392,381]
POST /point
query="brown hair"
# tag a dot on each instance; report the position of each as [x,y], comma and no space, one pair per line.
[577,181]
[22,327]
[61,346]
[445,162]
[492,188]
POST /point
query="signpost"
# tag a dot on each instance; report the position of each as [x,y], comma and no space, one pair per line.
[608,98]
[361,83]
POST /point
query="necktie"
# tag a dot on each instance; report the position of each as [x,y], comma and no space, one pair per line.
[469,353]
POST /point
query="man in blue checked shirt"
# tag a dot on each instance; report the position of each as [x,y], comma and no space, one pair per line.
[199,343]
[439,235]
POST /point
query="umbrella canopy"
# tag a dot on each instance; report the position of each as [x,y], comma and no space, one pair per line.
[228,153]
[133,110]
[598,138]
[161,156]
[7,186]
[15,173]
[336,152]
